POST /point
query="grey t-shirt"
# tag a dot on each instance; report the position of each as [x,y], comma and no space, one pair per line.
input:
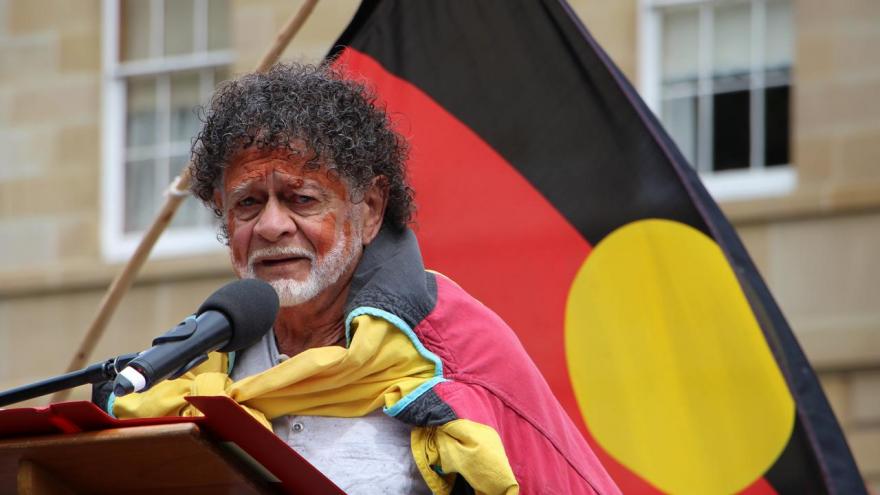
[366,455]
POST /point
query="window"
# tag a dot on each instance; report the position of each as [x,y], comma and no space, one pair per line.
[162,58]
[718,74]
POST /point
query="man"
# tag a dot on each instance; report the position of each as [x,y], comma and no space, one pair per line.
[308,179]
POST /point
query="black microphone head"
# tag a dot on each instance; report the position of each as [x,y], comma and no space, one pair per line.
[250,305]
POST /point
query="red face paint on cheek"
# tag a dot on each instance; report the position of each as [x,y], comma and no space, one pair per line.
[231,232]
[239,241]
[326,238]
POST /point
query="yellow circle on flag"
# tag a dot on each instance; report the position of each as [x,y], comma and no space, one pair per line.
[669,366]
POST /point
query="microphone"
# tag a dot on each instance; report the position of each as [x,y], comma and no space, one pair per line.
[234,317]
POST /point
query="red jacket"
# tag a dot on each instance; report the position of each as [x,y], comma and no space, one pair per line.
[483,372]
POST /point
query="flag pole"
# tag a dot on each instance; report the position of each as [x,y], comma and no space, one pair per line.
[175,195]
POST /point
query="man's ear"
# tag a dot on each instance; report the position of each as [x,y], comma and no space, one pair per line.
[375,200]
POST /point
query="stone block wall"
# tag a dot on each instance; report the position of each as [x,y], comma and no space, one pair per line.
[49,131]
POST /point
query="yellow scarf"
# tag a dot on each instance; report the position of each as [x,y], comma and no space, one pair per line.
[380,367]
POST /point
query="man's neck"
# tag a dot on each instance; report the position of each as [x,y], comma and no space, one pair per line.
[316,323]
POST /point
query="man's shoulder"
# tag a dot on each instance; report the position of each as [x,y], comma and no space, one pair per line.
[490,379]
[465,324]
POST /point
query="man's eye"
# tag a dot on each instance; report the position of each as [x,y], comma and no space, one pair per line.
[303,200]
[248,201]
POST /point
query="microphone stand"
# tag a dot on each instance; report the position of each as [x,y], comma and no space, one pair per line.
[96,373]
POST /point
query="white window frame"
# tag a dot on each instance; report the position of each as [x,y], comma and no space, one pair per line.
[116,244]
[727,185]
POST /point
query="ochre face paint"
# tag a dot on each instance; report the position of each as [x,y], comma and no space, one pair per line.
[272,199]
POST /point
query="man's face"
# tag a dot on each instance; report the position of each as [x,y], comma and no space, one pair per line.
[293,227]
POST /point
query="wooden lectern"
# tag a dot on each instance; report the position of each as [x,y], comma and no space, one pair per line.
[75,448]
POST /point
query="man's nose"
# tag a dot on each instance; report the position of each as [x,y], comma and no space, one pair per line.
[275,222]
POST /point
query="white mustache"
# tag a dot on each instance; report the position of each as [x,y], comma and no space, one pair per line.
[279,251]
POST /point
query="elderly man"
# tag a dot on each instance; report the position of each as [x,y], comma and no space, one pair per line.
[388,378]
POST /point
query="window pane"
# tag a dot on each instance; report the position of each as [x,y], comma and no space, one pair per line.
[135,30]
[776,118]
[178,27]
[680,46]
[779,48]
[731,130]
[680,119]
[218,24]
[191,212]
[731,47]
[141,200]
[141,112]
[184,99]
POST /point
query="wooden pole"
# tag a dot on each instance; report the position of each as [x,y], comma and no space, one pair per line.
[285,35]
[177,193]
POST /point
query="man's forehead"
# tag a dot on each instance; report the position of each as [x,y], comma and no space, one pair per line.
[252,165]
[293,150]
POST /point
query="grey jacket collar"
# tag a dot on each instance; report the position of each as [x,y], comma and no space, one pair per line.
[392,277]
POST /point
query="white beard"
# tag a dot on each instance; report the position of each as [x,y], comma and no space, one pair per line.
[322,273]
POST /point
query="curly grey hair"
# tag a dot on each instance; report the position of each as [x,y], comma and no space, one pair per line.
[293,105]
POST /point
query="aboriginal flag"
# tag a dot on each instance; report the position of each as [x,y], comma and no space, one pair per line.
[547,189]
